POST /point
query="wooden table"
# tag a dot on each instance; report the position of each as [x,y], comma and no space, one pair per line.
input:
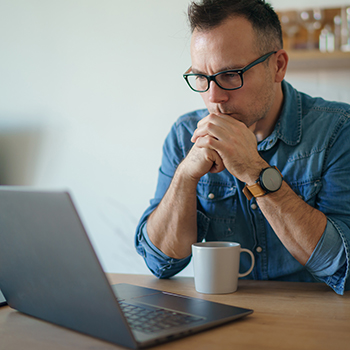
[286,316]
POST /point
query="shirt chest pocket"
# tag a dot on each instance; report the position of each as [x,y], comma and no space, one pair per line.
[219,203]
[307,191]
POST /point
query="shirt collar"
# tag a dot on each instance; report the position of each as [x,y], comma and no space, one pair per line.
[288,126]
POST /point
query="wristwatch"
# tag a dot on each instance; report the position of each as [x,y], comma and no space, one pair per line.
[270,180]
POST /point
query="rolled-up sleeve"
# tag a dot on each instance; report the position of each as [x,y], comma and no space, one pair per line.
[329,262]
[161,265]
[174,151]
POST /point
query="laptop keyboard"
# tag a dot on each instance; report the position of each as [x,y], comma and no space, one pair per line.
[154,320]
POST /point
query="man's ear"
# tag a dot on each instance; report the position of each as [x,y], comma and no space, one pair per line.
[281,65]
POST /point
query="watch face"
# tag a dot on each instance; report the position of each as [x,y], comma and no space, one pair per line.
[271,180]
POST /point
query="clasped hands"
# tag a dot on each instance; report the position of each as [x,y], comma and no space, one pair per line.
[221,141]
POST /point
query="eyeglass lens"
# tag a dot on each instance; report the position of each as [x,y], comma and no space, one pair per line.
[226,80]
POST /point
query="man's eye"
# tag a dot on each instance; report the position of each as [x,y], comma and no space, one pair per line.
[229,76]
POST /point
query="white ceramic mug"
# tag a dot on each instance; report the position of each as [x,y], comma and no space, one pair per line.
[216,266]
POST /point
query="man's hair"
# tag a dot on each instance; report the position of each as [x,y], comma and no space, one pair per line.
[208,14]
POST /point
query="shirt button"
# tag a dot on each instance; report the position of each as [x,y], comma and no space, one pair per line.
[211,195]
[259,249]
[253,206]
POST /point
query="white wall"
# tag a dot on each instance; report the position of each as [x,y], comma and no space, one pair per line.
[89,89]
[100,83]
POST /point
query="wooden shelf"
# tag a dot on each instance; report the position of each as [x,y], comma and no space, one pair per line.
[311,60]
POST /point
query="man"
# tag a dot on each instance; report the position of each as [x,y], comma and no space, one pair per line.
[263,165]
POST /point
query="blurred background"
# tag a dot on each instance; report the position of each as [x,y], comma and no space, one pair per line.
[90,88]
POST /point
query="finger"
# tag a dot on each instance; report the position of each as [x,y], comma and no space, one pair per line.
[212,156]
[215,118]
[211,131]
[207,141]
[221,120]
[201,125]
[218,166]
[210,126]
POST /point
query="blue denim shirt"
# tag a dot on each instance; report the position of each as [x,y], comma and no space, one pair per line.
[310,146]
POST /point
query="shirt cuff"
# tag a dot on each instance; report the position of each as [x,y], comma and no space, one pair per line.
[161,265]
[329,258]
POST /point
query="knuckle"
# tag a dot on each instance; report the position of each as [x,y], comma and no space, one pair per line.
[210,126]
[210,141]
[211,118]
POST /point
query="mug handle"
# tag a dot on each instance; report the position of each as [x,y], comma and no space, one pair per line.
[252,265]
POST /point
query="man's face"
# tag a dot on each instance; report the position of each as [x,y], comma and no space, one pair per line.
[233,45]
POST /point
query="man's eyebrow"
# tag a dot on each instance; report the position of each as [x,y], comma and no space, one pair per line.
[197,71]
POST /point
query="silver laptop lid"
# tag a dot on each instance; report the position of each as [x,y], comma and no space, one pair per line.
[40,238]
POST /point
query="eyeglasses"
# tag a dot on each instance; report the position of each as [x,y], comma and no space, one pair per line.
[228,80]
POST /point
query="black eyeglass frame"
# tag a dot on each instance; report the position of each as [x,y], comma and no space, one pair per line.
[238,71]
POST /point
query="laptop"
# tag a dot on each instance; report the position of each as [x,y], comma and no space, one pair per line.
[49,270]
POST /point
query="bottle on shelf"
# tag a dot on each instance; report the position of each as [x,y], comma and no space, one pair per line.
[327,40]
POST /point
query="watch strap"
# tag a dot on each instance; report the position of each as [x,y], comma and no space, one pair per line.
[254,190]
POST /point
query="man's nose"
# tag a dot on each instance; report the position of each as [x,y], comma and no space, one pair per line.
[216,94]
